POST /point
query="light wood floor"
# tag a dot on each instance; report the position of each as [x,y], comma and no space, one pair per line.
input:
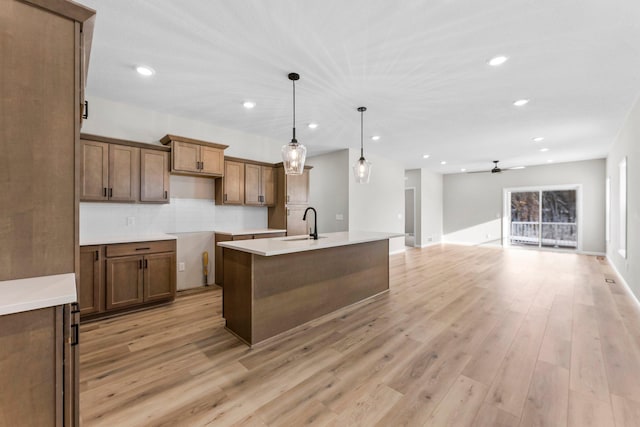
[466,336]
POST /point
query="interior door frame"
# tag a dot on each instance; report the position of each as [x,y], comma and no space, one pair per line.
[415,228]
[506,205]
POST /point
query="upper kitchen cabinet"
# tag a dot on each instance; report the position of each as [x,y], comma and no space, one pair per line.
[194,157]
[123,171]
[230,189]
[259,185]
[154,176]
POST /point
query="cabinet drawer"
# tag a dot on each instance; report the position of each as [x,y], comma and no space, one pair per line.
[140,248]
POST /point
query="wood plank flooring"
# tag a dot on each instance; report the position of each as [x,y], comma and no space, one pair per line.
[467,336]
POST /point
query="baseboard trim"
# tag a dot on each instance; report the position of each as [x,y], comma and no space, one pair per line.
[399,251]
[623,281]
[429,244]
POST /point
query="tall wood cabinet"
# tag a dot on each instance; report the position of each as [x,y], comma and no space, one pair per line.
[292,198]
[44,59]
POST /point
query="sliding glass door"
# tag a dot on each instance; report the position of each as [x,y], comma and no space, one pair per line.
[543,218]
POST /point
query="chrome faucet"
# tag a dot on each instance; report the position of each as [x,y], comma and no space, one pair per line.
[315,222]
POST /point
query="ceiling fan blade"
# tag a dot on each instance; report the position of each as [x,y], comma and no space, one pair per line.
[479,172]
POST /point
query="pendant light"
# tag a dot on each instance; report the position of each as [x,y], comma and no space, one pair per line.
[294,154]
[362,168]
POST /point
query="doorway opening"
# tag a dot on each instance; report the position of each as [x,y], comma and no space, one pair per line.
[410,216]
[543,217]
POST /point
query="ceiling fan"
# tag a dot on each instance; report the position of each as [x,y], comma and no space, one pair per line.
[495,169]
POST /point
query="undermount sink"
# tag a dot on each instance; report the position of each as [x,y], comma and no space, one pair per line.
[296,239]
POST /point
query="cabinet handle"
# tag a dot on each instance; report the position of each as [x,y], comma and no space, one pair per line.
[288,212]
[140,264]
[142,249]
[76,335]
[111,192]
[97,255]
[225,197]
[104,191]
[146,263]
[86,110]
[201,165]
[166,194]
[288,198]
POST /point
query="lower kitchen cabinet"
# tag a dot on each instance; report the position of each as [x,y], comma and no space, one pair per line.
[134,275]
[91,280]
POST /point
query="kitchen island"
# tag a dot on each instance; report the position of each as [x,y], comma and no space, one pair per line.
[273,285]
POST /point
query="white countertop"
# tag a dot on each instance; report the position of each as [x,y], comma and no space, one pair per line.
[291,244]
[37,292]
[249,231]
[133,238]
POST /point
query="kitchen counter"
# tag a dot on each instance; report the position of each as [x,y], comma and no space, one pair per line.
[274,285]
[249,231]
[292,244]
[37,292]
[133,238]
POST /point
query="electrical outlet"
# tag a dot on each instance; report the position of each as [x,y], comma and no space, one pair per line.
[429,239]
[131,220]
[339,217]
[181,266]
[488,236]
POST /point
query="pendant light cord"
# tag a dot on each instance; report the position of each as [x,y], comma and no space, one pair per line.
[361,133]
[294,111]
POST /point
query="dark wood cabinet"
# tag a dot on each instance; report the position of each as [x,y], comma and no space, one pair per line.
[291,200]
[124,282]
[109,172]
[154,176]
[259,185]
[230,189]
[134,275]
[90,280]
[226,237]
[194,157]
[123,171]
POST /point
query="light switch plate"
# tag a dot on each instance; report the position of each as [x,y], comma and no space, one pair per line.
[339,217]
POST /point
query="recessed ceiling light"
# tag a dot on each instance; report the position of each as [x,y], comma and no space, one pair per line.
[549,161]
[425,156]
[497,60]
[443,162]
[538,139]
[143,70]
[249,105]
[312,125]
[375,137]
[463,170]
[544,149]
[517,167]
[521,102]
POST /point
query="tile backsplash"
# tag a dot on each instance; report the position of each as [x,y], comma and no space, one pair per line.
[180,216]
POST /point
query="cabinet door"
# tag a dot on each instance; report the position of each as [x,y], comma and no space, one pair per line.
[159,276]
[295,224]
[252,185]
[211,160]
[233,183]
[186,156]
[94,170]
[298,188]
[124,282]
[154,176]
[90,280]
[124,173]
[268,185]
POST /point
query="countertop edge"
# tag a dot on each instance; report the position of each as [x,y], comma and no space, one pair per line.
[126,239]
[20,295]
[249,231]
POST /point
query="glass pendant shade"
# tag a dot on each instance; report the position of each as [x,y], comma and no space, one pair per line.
[293,153]
[362,170]
[293,157]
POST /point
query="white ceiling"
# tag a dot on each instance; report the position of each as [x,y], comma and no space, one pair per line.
[418,66]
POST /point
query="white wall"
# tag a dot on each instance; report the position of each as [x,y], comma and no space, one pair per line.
[431,207]
[414,180]
[379,205]
[329,191]
[627,145]
[473,208]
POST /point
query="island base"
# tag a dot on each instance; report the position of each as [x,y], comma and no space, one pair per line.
[265,296]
